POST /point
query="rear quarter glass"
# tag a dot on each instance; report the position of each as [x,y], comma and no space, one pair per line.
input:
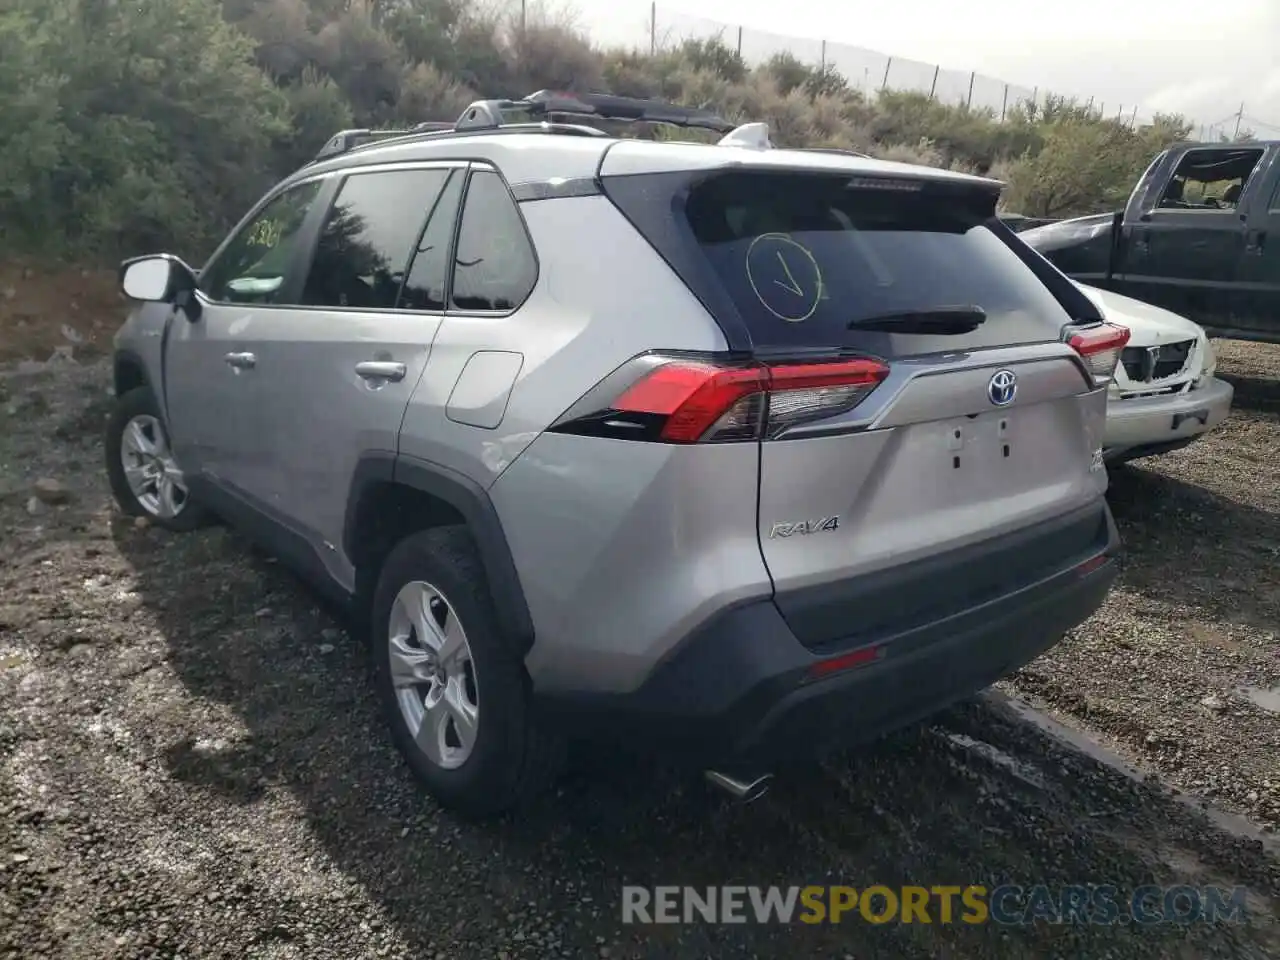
[803,256]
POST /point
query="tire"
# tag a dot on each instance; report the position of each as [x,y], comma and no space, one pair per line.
[139,407]
[509,760]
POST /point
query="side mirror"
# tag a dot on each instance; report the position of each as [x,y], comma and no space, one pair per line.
[160,278]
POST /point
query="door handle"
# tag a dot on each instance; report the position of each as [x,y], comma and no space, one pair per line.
[1255,242]
[387,370]
[242,361]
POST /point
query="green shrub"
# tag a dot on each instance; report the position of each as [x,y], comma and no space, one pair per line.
[129,126]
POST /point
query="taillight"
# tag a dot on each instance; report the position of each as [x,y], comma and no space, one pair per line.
[811,391]
[695,398]
[1099,345]
[676,400]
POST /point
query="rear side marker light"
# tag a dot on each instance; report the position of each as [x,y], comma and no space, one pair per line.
[1092,564]
[1099,346]
[677,400]
[846,661]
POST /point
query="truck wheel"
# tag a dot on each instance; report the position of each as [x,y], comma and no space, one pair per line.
[145,479]
[455,694]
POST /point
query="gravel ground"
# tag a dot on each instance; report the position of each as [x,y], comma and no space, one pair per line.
[191,763]
[1166,671]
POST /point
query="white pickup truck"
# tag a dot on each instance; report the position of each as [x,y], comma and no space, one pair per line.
[1165,394]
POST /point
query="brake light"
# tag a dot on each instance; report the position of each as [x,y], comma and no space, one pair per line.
[675,400]
[1099,346]
[695,397]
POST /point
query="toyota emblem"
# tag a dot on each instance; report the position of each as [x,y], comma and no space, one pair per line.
[1002,387]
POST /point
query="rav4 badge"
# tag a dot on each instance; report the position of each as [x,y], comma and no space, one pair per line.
[805,527]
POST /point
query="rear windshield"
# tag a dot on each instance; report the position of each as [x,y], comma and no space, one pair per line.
[805,256]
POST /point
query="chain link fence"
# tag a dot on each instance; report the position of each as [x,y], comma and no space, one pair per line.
[659,27]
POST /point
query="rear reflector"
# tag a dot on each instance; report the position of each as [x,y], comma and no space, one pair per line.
[1092,564]
[846,661]
[1099,346]
[677,400]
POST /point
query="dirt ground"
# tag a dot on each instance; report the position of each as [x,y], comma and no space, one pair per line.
[191,762]
[43,310]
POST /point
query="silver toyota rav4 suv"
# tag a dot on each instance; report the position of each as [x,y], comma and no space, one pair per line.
[734,452]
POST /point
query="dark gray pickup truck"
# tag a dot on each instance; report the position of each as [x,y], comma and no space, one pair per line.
[1200,236]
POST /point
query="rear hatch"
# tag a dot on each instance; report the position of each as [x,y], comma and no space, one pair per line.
[948,453]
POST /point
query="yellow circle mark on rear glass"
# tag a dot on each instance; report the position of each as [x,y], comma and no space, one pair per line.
[784,276]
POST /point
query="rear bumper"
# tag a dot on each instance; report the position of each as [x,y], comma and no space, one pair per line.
[742,692]
[1165,422]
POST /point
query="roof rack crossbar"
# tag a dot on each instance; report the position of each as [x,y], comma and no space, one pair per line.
[490,114]
[532,113]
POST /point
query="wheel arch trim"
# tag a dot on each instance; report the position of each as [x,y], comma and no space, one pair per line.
[473,503]
[126,357]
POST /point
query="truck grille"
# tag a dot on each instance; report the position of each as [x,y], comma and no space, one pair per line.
[1145,364]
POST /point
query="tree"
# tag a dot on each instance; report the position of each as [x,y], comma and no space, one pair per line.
[714,56]
[134,125]
[149,122]
[1084,167]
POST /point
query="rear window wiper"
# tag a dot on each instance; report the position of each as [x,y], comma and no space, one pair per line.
[932,320]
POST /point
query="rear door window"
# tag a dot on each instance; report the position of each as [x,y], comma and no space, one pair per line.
[1274,205]
[368,236]
[804,257]
[424,288]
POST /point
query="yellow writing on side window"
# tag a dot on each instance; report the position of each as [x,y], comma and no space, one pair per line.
[265,233]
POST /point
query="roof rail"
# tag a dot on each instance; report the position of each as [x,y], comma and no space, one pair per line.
[345,140]
[432,126]
[491,114]
[529,114]
[839,150]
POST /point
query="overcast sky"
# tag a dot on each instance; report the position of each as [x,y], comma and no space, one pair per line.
[1190,56]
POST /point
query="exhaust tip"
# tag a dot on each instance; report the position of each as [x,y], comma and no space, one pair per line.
[743,789]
